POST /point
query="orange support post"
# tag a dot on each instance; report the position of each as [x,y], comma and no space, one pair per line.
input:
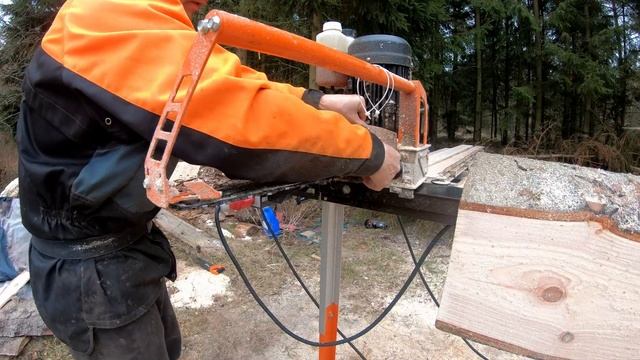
[330,333]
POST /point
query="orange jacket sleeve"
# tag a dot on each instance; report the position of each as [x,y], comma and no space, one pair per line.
[238,120]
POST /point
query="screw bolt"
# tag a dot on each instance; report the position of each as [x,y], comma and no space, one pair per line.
[215,23]
[206,25]
[202,26]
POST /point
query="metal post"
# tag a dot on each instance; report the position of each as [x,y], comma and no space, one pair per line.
[330,264]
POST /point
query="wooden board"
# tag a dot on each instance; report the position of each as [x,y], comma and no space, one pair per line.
[450,164]
[12,346]
[179,230]
[442,154]
[14,286]
[546,261]
[10,190]
[572,293]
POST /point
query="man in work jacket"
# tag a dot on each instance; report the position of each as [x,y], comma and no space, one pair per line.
[92,95]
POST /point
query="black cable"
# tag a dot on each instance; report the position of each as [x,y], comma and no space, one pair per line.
[300,281]
[315,343]
[426,285]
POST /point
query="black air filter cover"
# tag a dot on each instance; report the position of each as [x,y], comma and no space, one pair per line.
[382,49]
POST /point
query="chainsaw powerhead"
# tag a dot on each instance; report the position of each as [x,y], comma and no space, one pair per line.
[403,114]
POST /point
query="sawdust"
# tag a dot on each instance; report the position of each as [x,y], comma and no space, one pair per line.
[522,183]
[197,288]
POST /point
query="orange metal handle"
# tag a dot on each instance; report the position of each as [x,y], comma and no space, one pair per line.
[243,33]
[233,30]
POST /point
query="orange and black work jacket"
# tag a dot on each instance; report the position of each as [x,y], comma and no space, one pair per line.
[93,94]
[92,98]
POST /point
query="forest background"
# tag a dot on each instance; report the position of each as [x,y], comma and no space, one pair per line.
[550,79]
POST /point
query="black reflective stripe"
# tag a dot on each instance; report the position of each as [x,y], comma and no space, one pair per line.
[271,165]
[261,165]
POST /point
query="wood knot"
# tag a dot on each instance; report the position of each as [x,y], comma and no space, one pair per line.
[567,337]
[552,294]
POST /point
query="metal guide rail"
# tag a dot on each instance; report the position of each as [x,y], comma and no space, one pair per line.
[433,202]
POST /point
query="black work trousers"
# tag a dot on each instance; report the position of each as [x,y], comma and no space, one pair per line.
[154,335]
[111,306]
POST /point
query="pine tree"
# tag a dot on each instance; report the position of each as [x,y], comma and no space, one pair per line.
[22,25]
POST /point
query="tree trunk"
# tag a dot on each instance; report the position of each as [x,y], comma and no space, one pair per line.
[494,77]
[436,98]
[477,128]
[538,56]
[452,111]
[242,55]
[528,118]
[588,118]
[507,75]
[573,113]
[433,114]
[316,28]
[494,103]
[452,116]
[619,100]
[568,128]
[623,95]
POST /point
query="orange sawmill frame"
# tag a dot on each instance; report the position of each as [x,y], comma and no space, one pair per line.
[227,29]
[222,28]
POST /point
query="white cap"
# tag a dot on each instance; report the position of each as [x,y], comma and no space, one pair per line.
[332,25]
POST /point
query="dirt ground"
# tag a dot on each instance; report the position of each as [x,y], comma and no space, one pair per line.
[8,159]
[375,264]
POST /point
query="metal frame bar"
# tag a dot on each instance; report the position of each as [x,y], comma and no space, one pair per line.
[431,202]
[330,269]
[156,182]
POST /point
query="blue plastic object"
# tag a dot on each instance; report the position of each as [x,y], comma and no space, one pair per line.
[7,271]
[271,222]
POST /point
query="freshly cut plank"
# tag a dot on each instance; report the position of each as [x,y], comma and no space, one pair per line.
[546,260]
[442,154]
[453,164]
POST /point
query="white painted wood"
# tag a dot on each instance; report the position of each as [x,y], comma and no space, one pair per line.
[14,286]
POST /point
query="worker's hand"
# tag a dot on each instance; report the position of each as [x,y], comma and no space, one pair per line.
[349,106]
[389,169]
